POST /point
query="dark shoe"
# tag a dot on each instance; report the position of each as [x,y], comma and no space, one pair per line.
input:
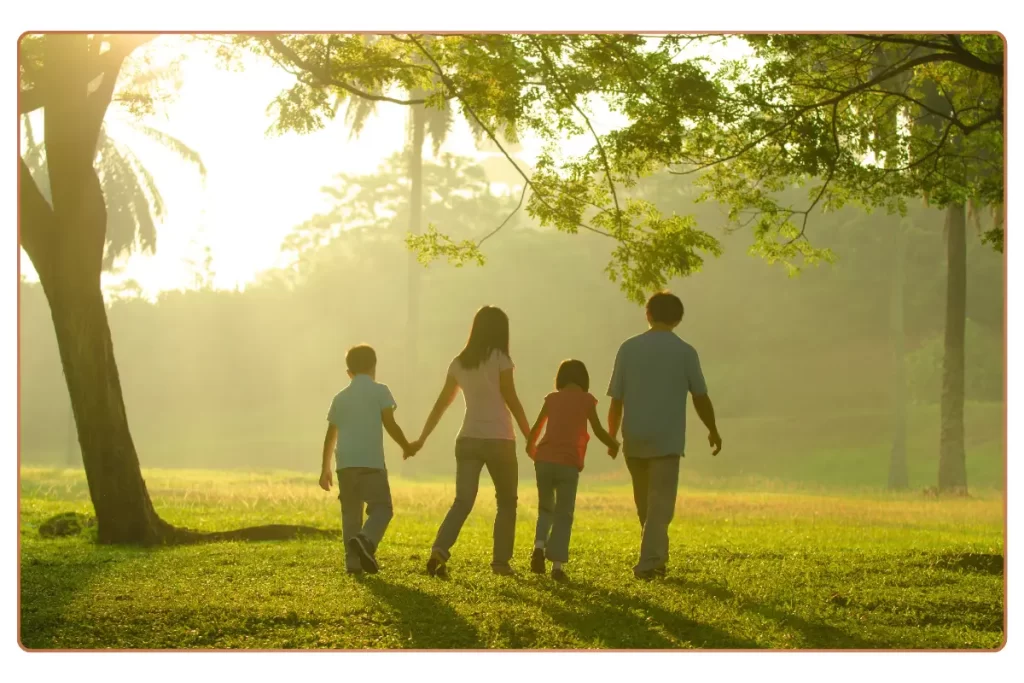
[362,547]
[646,575]
[559,576]
[661,571]
[436,566]
[537,565]
[502,570]
[357,572]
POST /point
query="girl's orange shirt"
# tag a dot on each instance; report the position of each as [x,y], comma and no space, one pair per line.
[565,435]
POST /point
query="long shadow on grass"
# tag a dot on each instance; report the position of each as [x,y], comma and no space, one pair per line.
[49,583]
[617,621]
[816,634]
[429,622]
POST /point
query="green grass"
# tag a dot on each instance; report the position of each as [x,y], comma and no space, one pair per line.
[830,450]
[748,570]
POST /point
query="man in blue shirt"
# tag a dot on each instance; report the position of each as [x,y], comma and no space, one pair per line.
[357,419]
[653,374]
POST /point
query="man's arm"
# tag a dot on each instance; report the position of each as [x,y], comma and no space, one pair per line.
[603,436]
[614,417]
[702,402]
[330,439]
[706,413]
[616,392]
[387,417]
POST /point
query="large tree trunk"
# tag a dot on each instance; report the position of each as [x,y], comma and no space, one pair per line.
[65,241]
[124,513]
[69,455]
[898,477]
[419,128]
[952,456]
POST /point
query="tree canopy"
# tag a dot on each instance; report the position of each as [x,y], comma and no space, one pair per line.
[872,120]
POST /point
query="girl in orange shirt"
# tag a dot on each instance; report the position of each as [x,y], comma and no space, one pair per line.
[558,460]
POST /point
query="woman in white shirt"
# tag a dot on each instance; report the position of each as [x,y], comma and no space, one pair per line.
[487,439]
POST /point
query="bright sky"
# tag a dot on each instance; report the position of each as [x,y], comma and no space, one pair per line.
[258,187]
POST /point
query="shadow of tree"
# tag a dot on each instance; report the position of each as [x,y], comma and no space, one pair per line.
[48,586]
[978,563]
[428,622]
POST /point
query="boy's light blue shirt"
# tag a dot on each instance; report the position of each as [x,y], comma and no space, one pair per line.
[654,372]
[355,411]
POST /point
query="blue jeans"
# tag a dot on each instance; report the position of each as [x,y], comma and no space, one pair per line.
[556,495]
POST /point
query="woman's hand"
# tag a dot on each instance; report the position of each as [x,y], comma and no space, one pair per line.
[412,449]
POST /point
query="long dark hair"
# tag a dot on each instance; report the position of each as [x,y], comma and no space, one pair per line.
[489,332]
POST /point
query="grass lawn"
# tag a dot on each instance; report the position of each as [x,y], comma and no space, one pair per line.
[748,570]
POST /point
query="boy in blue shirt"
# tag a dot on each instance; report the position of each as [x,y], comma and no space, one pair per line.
[358,415]
[653,374]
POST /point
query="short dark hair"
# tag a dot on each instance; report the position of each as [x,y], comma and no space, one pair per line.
[665,308]
[361,359]
[572,372]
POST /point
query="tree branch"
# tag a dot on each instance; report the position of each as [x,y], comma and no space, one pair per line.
[35,215]
[324,78]
[490,133]
[121,46]
[514,211]
[597,138]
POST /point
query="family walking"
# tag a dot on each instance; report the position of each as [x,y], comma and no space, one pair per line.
[652,376]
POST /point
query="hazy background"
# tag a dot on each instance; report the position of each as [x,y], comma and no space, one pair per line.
[230,341]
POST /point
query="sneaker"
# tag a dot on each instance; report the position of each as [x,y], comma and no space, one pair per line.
[559,576]
[537,565]
[502,570]
[362,547]
[436,566]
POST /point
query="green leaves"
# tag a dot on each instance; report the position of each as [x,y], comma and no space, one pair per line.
[855,119]
[433,245]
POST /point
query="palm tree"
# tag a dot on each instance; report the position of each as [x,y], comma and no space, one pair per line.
[134,202]
[434,122]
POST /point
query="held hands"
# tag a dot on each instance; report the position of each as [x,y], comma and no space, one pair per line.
[531,450]
[715,441]
[326,479]
[613,450]
[412,449]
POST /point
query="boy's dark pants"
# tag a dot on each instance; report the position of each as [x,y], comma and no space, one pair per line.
[358,486]
[556,498]
[655,485]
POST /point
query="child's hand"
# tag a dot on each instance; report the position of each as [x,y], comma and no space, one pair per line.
[326,480]
[613,450]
